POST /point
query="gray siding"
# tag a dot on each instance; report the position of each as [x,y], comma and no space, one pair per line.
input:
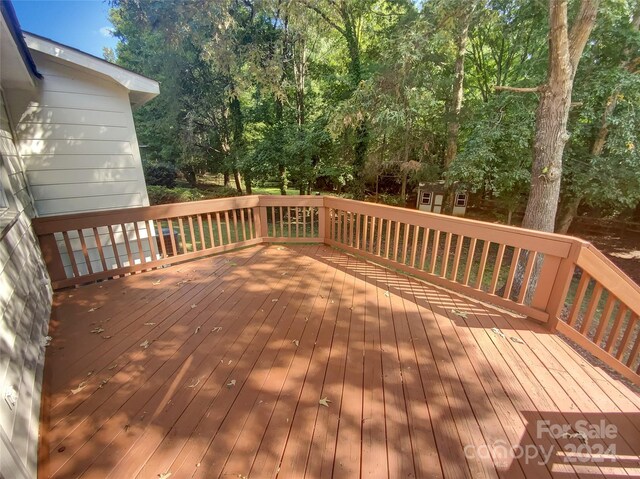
[25,306]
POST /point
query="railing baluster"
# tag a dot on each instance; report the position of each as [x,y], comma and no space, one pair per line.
[211,235]
[192,234]
[71,254]
[604,318]
[114,246]
[219,225]
[125,235]
[470,254]
[365,235]
[387,245]
[626,337]
[496,271]
[183,239]
[483,264]
[425,244]
[203,243]
[281,222]
[434,251]
[227,222]
[163,247]
[589,314]
[234,216]
[174,247]
[578,298]
[456,258]
[96,235]
[243,224]
[414,246]
[250,219]
[615,329]
[152,247]
[357,245]
[636,346]
[304,221]
[85,252]
[512,273]
[139,243]
[445,257]
[405,240]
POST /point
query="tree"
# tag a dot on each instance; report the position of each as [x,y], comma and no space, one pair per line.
[565,50]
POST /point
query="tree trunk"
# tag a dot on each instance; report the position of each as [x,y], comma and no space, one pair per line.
[236,177]
[568,212]
[226,178]
[282,178]
[455,105]
[565,50]
[248,183]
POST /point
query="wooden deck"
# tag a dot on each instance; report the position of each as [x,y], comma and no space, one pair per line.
[215,368]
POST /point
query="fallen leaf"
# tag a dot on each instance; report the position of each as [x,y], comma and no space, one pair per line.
[275,300]
[113,367]
[80,387]
[194,383]
[296,342]
[498,332]
[193,306]
[145,344]
[231,383]
[516,340]
[164,475]
[279,248]
[103,382]
[387,294]
[462,314]
[94,309]
[216,329]
[197,330]
[324,402]
[155,283]
[97,330]
[127,427]
[149,324]
[106,337]
[90,373]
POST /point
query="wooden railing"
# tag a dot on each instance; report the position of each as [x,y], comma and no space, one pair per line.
[558,280]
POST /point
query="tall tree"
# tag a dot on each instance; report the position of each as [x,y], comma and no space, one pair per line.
[565,50]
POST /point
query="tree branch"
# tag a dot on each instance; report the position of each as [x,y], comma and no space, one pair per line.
[535,89]
[581,29]
[324,16]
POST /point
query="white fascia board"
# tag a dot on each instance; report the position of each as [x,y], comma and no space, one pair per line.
[141,88]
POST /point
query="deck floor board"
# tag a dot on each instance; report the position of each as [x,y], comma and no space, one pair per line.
[241,348]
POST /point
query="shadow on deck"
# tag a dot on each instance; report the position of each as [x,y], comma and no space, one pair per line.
[217,368]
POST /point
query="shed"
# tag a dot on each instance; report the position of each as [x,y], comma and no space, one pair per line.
[431,198]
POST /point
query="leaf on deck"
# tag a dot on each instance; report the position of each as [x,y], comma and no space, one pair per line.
[516,340]
[164,475]
[155,283]
[97,330]
[457,312]
[95,308]
[387,294]
[231,384]
[498,332]
[296,342]
[194,383]
[324,402]
[113,366]
[275,300]
[80,387]
[149,324]
[197,330]
[216,329]
[106,337]
[145,344]
[193,305]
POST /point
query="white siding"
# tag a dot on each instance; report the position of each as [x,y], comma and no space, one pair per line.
[78,143]
[25,305]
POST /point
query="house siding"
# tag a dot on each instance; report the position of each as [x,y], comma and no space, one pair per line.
[78,143]
[25,306]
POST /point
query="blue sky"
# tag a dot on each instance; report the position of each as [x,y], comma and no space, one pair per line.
[82,24]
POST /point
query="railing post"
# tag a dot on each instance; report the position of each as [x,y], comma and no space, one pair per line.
[564,275]
[323,220]
[264,223]
[52,258]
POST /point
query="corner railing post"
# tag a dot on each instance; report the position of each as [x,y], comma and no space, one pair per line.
[561,286]
[52,258]
[264,223]
[323,219]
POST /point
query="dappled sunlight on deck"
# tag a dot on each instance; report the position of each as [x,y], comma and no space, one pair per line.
[216,368]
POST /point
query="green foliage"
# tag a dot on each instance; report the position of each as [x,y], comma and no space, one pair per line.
[355,95]
[160,195]
[160,174]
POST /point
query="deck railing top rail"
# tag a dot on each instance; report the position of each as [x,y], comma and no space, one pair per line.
[558,280]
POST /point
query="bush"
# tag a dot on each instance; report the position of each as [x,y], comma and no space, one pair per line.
[160,174]
[160,195]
